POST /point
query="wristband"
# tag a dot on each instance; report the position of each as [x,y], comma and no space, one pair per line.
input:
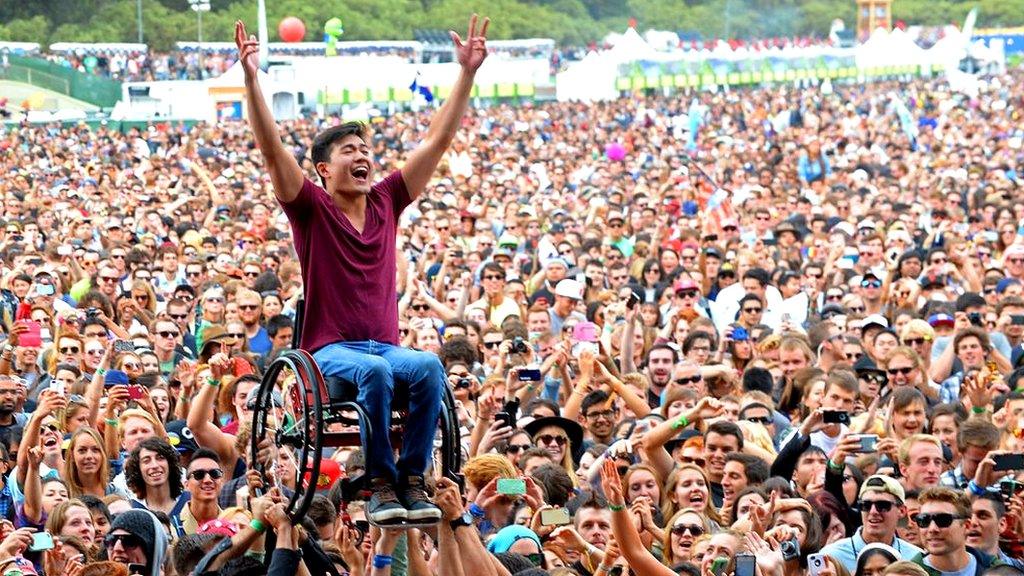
[213,382]
[101,371]
[381,561]
[978,409]
[683,422]
[476,511]
[975,489]
[616,508]
[111,422]
[257,526]
[835,466]
[259,556]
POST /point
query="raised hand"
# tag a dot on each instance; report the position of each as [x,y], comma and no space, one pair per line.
[248,50]
[470,52]
[612,484]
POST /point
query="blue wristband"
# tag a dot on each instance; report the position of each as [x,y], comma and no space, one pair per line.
[381,561]
[476,511]
[975,489]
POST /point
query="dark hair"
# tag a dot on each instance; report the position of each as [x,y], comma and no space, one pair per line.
[594,398]
[190,549]
[755,469]
[276,323]
[726,428]
[492,267]
[556,483]
[133,470]
[325,140]
[205,453]
[94,504]
[757,378]
[694,336]
[321,511]
[749,489]
[868,554]
[656,347]
[458,350]
[828,506]
[996,499]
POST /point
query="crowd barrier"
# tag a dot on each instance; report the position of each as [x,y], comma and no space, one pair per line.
[708,79]
[88,88]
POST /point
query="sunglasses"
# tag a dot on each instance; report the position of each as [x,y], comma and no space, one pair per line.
[687,293]
[517,448]
[109,278]
[914,341]
[857,309]
[692,460]
[200,475]
[882,506]
[493,277]
[695,530]
[941,519]
[248,306]
[168,334]
[492,345]
[420,307]
[131,365]
[238,335]
[252,274]
[691,380]
[126,540]
[871,283]
[70,350]
[759,419]
[753,310]
[553,438]
[178,316]
[904,371]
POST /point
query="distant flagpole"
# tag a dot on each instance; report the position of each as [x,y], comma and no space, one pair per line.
[261,24]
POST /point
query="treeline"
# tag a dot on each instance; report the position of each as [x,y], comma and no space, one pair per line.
[570,22]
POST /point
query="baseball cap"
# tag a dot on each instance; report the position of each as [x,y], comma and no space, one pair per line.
[684,284]
[569,288]
[180,436]
[874,320]
[941,318]
[250,400]
[884,484]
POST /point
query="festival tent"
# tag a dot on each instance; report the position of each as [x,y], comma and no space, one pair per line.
[630,47]
[590,79]
[227,92]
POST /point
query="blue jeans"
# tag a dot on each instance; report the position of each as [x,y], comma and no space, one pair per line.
[375,368]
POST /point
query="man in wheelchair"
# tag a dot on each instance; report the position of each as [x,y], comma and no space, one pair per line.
[344,232]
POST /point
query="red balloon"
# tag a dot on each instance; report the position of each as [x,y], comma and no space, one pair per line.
[291,29]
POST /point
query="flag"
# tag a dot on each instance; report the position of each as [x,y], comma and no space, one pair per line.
[424,91]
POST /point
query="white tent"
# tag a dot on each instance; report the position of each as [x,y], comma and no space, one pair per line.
[590,79]
[630,48]
[229,87]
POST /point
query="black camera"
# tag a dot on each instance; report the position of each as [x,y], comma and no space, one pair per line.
[519,346]
[790,549]
[92,313]
[836,417]
[464,383]
[975,319]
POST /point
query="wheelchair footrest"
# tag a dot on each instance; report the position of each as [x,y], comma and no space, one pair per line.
[405,525]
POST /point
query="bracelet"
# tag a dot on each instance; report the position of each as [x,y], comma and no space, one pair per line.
[381,561]
[832,465]
[258,526]
[476,511]
[978,409]
[683,422]
[111,422]
[259,556]
[101,371]
[973,487]
[616,507]
[213,382]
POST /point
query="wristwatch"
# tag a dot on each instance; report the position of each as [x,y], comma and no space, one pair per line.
[465,520]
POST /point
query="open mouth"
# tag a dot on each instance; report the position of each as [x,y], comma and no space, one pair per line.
[360,173]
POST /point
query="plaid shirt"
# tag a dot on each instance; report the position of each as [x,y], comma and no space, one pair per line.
[6,503]
[949,390]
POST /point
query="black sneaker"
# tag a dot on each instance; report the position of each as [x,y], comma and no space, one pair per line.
[414,498]
[384,507]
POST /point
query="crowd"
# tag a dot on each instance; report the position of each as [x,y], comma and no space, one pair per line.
[792,347]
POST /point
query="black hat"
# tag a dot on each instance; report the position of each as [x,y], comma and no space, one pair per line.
[138,523]
[572,429]
[866,367]
[180,436]
[683,436]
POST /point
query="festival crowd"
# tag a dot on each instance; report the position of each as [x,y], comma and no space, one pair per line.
[793,347]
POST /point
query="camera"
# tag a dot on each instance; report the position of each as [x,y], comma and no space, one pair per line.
[92,313]
[836,417]
[790,549]
[463,383]
[519,346]
[975,319]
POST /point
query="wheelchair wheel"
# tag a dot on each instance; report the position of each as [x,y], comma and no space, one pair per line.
[295,429]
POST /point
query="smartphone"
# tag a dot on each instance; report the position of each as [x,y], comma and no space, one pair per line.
[718,566]
[64,250]
[507,417]
[57,387]
[867,442]
[24,311]
[1006,462]
[555,517]
[529,374]
[135,392]
[836,417]
[41,541]
[585,332]
[745,565]
[815,564]
[615,570]
[124,346]
[511,486]
[632,301]
[32,337]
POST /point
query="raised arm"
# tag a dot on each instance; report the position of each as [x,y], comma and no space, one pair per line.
[284,169]
[423,161]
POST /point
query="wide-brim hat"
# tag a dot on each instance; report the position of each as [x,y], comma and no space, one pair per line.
[572,429]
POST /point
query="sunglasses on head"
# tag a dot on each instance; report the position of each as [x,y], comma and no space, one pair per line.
[941,519]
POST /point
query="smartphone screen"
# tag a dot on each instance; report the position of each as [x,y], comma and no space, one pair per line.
[745,564]
[555,517]
[511,486]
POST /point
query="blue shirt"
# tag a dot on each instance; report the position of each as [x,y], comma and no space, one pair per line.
[260,343]
[845,551]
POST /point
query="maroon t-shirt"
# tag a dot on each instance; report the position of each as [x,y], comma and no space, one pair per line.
[348,277]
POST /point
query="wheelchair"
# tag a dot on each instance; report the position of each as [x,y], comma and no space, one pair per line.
[323,413]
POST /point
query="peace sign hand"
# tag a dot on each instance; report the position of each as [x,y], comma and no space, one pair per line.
[471,52]
[248,50]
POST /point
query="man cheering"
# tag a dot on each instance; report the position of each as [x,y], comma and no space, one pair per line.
[348,272]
